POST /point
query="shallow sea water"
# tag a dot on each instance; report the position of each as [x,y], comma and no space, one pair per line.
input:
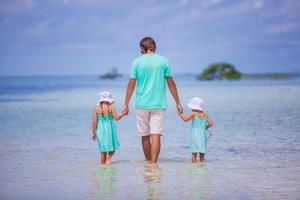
[46,150]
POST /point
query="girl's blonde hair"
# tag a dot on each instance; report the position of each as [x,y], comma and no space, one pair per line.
[101,110]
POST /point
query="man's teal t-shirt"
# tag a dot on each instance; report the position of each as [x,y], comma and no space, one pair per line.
[150,72]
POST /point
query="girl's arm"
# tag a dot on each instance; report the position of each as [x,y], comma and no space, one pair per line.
[94,126]
[188,117]
[116,116]
[209,122]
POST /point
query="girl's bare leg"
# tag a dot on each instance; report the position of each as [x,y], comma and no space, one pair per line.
[108,157]
[202,159]
[111,153]
[103,158]
[194,157]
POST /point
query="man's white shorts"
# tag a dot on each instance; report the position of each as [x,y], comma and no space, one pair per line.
[150,121]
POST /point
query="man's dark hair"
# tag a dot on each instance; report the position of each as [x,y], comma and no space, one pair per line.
[147,43]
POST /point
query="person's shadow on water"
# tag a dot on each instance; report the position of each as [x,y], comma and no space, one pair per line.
[152,175]
[105,178]
[198,176]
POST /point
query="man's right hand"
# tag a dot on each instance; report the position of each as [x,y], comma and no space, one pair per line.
[125,109]
[179,108]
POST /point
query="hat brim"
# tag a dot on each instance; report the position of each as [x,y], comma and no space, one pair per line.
[109,100]
[194,107]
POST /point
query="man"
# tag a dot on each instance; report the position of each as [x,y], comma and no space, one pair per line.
[150,73]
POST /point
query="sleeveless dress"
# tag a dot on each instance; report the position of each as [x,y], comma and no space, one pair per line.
[198,142]
[106,133]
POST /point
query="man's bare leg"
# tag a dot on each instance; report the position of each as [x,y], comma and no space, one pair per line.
[146,147]
[155,147]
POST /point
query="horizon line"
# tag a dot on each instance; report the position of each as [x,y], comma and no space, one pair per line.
[183,73]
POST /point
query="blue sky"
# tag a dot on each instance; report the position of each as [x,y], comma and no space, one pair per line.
[91,36]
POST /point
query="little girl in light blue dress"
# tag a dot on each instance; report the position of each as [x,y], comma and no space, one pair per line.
[104,130]
[200,123]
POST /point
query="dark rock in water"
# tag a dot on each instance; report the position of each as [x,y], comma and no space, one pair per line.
[111,75]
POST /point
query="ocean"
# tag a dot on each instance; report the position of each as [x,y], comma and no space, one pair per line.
[46,150]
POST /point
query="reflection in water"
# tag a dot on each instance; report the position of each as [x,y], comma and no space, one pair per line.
[105,179]
[152,175]
[198,180]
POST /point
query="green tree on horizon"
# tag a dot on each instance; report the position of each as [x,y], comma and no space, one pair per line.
[220,71]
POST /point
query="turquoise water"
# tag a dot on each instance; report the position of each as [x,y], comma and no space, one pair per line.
[46,151]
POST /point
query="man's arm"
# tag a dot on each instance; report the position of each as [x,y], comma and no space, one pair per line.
[173,90]
[129,91]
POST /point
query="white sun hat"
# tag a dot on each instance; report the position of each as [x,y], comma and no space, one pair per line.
[196,103]
[105,96]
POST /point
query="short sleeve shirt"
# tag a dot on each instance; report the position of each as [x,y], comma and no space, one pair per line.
[150,72]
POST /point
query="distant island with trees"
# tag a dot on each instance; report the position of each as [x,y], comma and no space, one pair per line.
[227,71]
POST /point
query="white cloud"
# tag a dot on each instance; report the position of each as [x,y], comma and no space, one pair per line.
[39,28]
[201,12]
[80,46]
[184,2]
[210,2]
[15,6]
[284,27]
[258,3]
[92,3]
[66,1]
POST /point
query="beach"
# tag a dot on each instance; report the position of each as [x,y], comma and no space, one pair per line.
[46,149]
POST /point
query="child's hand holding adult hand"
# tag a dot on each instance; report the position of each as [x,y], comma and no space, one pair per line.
[94,137]
[125,109]
[124,112]
[179,108]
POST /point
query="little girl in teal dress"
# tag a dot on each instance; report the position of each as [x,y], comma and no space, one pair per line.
[200,123]
[104,130]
